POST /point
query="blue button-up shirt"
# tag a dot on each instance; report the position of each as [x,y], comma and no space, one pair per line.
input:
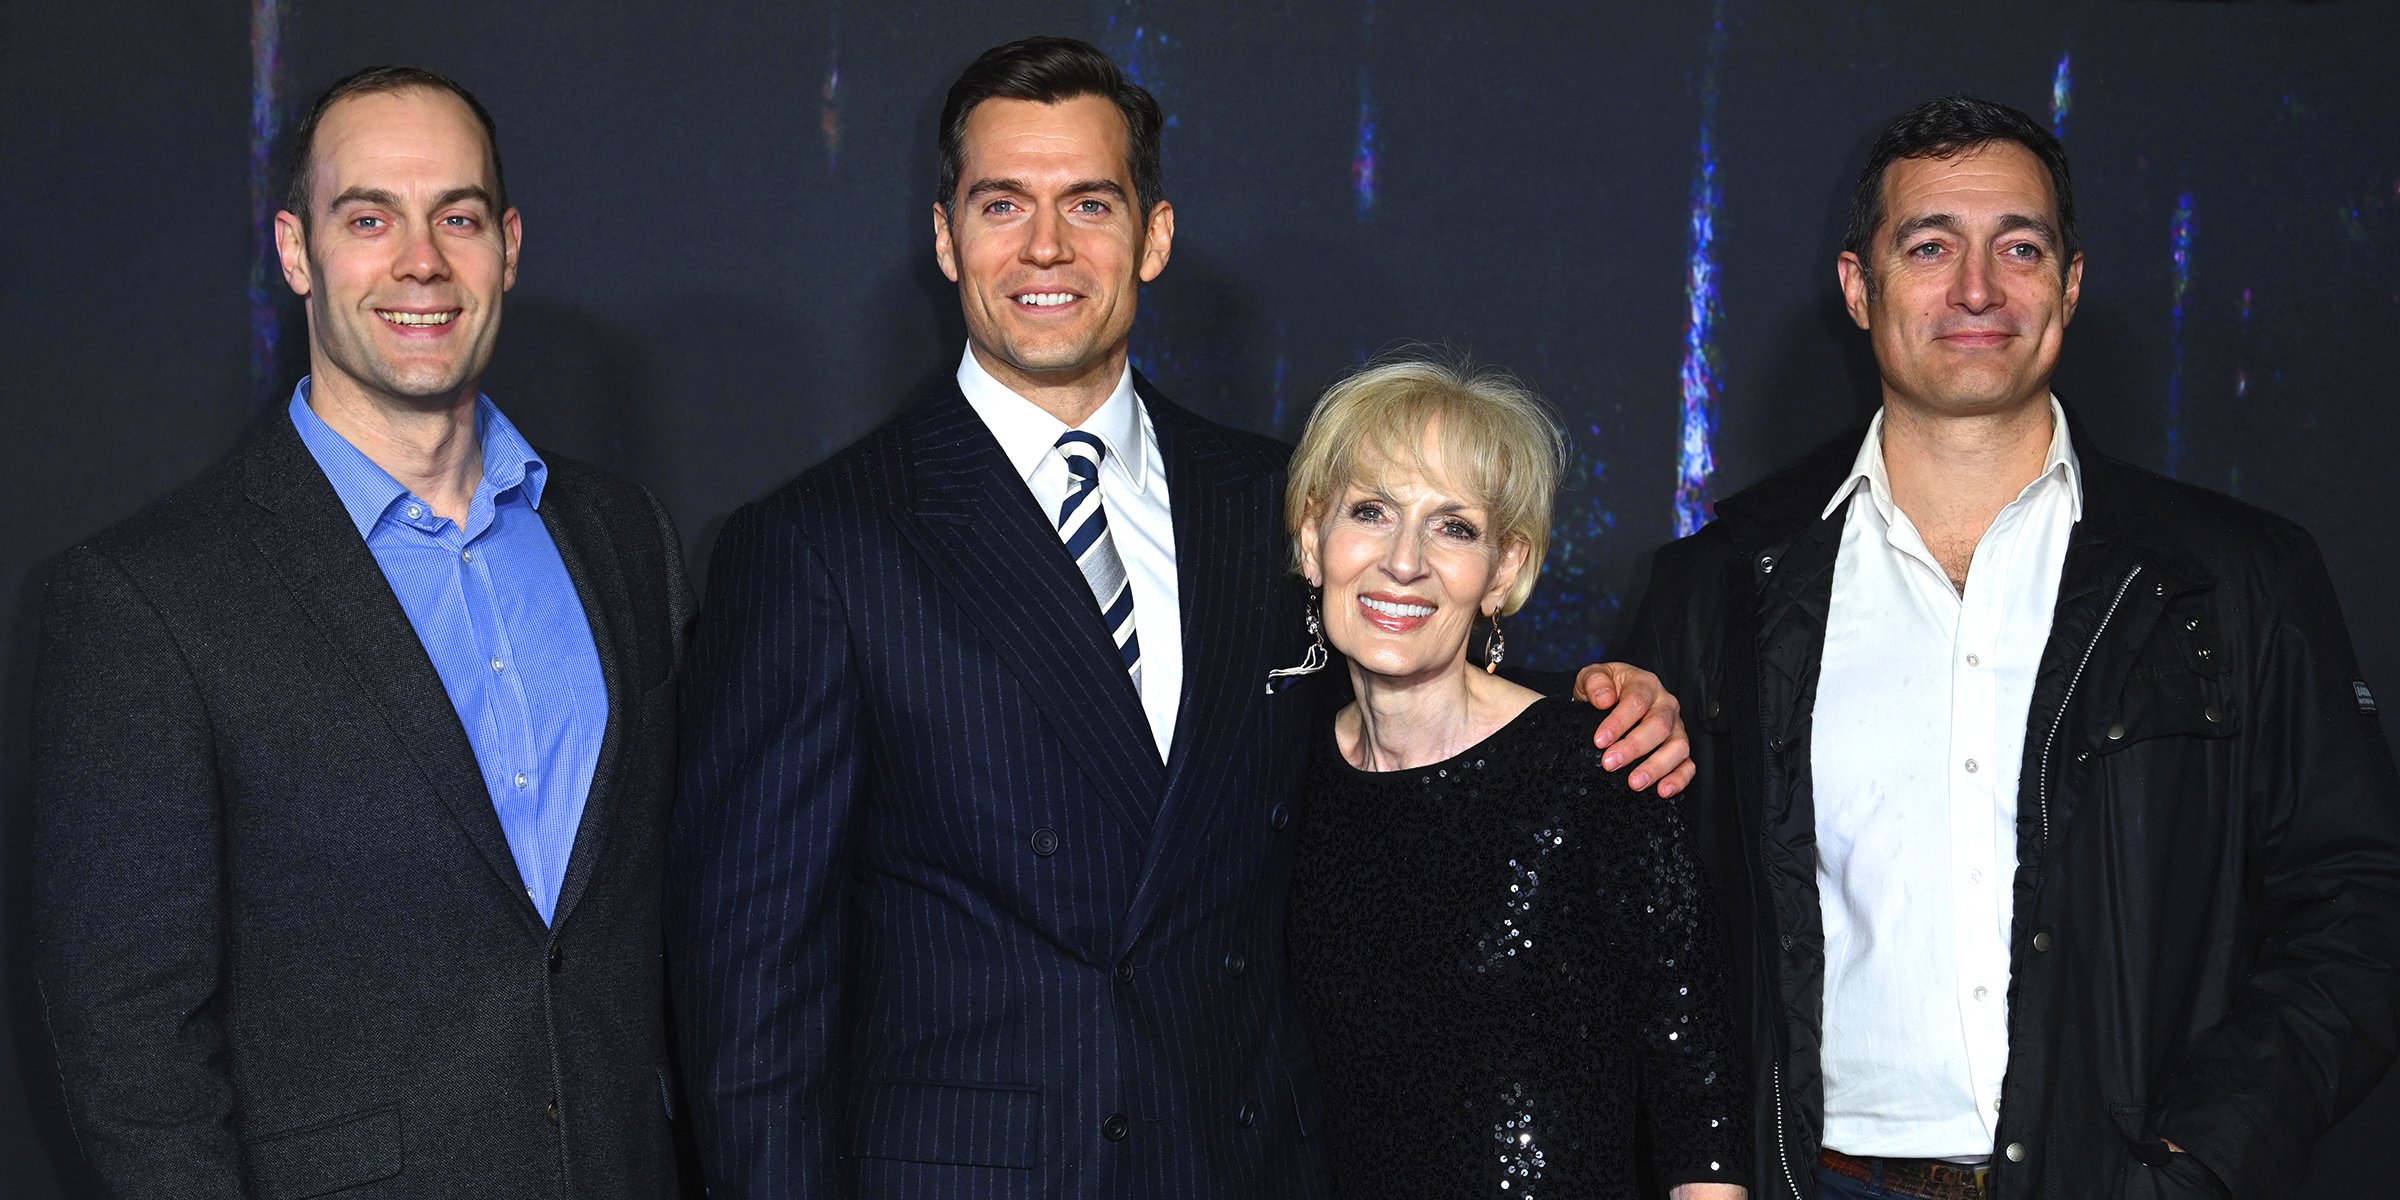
[495,610]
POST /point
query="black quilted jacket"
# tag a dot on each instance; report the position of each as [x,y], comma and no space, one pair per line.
[2207,906]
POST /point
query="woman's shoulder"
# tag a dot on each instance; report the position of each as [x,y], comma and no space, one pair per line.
[1555,733]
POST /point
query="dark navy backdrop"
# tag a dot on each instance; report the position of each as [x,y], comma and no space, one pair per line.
[727,269]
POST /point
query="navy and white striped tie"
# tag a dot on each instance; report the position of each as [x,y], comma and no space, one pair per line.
[1083,526]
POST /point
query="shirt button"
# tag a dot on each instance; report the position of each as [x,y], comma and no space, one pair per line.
[521,779]
[1974,874]
[497,666]
[468,555]
[415,512]
[1971,767]
[1982,992]
[1115,1127]
[1974,660]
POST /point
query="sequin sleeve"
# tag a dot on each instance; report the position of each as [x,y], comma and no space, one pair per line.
[1694,1092]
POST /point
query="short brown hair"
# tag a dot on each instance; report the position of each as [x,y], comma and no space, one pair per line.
[1051,70]
[1498,444]
[378,81]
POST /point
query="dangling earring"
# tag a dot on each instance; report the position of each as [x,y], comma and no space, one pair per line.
[1311,662]
[1494,646]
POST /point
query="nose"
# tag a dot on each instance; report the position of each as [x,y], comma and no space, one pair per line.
[1404,555]
[1046,243]
[419,257]
[1976,287]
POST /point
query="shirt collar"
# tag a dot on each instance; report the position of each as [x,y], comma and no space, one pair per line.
[1027,432]
[367,491]
[1868,468]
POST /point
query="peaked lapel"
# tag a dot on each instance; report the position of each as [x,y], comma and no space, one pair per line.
[591,560]
[1223,507]
[311,544]
[992,548]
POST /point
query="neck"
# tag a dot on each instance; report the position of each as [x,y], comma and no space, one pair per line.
[1396,724]
[1071,394]
[1958,472]
[428,446]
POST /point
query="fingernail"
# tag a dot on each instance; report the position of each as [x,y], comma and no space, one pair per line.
[1608,762]
[1640,781]
[1602,738]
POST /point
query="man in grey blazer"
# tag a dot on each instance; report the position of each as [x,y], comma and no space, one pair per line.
[352,758]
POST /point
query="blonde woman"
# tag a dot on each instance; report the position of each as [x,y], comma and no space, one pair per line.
[1506,956]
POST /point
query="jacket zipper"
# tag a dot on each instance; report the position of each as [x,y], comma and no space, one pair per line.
[1783,1149]
[2051,743]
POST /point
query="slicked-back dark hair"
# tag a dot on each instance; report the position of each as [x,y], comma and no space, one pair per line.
[378,81]
[1048,70]
[1946,128]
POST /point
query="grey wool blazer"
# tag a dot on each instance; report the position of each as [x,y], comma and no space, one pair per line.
[284,948]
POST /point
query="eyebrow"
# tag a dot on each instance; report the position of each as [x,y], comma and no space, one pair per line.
[384,199]
[1105,187]
[1907,230]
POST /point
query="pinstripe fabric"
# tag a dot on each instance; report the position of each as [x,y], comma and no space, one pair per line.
[1083,526]
[938,911]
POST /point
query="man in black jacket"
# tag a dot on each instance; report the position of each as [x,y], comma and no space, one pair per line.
[352,759]
[2059,843]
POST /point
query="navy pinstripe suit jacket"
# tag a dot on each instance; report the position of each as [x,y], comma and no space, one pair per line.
[942,923]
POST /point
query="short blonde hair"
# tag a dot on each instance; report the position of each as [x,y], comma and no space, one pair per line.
[1497,441]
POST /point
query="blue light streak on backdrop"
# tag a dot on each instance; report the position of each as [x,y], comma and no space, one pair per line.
[829,112]
[266,127]
[2062,95]
[1362,163]
[1696,459]
[2183,229]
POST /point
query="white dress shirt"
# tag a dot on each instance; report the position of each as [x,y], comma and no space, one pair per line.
[1133,487]
[1919,733]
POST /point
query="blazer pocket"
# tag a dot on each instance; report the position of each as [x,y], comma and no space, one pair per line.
[959,1124]
[330,1156]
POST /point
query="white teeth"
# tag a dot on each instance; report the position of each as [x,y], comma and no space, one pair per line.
[409,318]
[1045,299]
[1390,609]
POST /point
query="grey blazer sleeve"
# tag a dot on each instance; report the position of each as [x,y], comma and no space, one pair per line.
[128,890]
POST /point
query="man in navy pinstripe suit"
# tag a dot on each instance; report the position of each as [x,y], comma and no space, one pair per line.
[980,862]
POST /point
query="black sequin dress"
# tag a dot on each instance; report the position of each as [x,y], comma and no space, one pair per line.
[1511,974]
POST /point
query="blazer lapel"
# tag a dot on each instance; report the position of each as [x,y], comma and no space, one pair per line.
[312,546]
[1224,507]
[591,558]
[988,543]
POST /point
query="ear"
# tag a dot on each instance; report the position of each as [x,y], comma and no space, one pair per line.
[1158,240]
[2074,288]
[1311,567]
[291,249]
[1512,561]
[1853,274]
[512,240]
[944,252]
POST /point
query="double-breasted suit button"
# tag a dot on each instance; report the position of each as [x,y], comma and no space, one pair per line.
[1115,1127]
[1247,1117]
[1281,817]
[552,1111]
[557,959]
[1045,841]
[1125,971]
[1235,964]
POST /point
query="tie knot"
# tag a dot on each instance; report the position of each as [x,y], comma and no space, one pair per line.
[1084,452]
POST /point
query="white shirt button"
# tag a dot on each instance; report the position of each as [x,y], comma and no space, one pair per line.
[1971,767]
[498,666]
[1982,992]
[520,779]
[1974,660]
[468,555]
[1975,875]
[415,511]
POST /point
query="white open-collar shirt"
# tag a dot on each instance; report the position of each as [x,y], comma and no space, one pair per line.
[1133,488]
[1919,731]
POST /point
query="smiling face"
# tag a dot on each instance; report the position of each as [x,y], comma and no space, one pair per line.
[403,258]
[1969,304]
[1045,243]
[1407,564]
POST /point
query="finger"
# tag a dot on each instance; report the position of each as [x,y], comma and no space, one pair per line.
[1671,755]
[1643,736]
[1678,779]
[1596,686]
[1633,706]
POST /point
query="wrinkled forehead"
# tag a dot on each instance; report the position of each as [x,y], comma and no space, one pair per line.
[1993,180]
